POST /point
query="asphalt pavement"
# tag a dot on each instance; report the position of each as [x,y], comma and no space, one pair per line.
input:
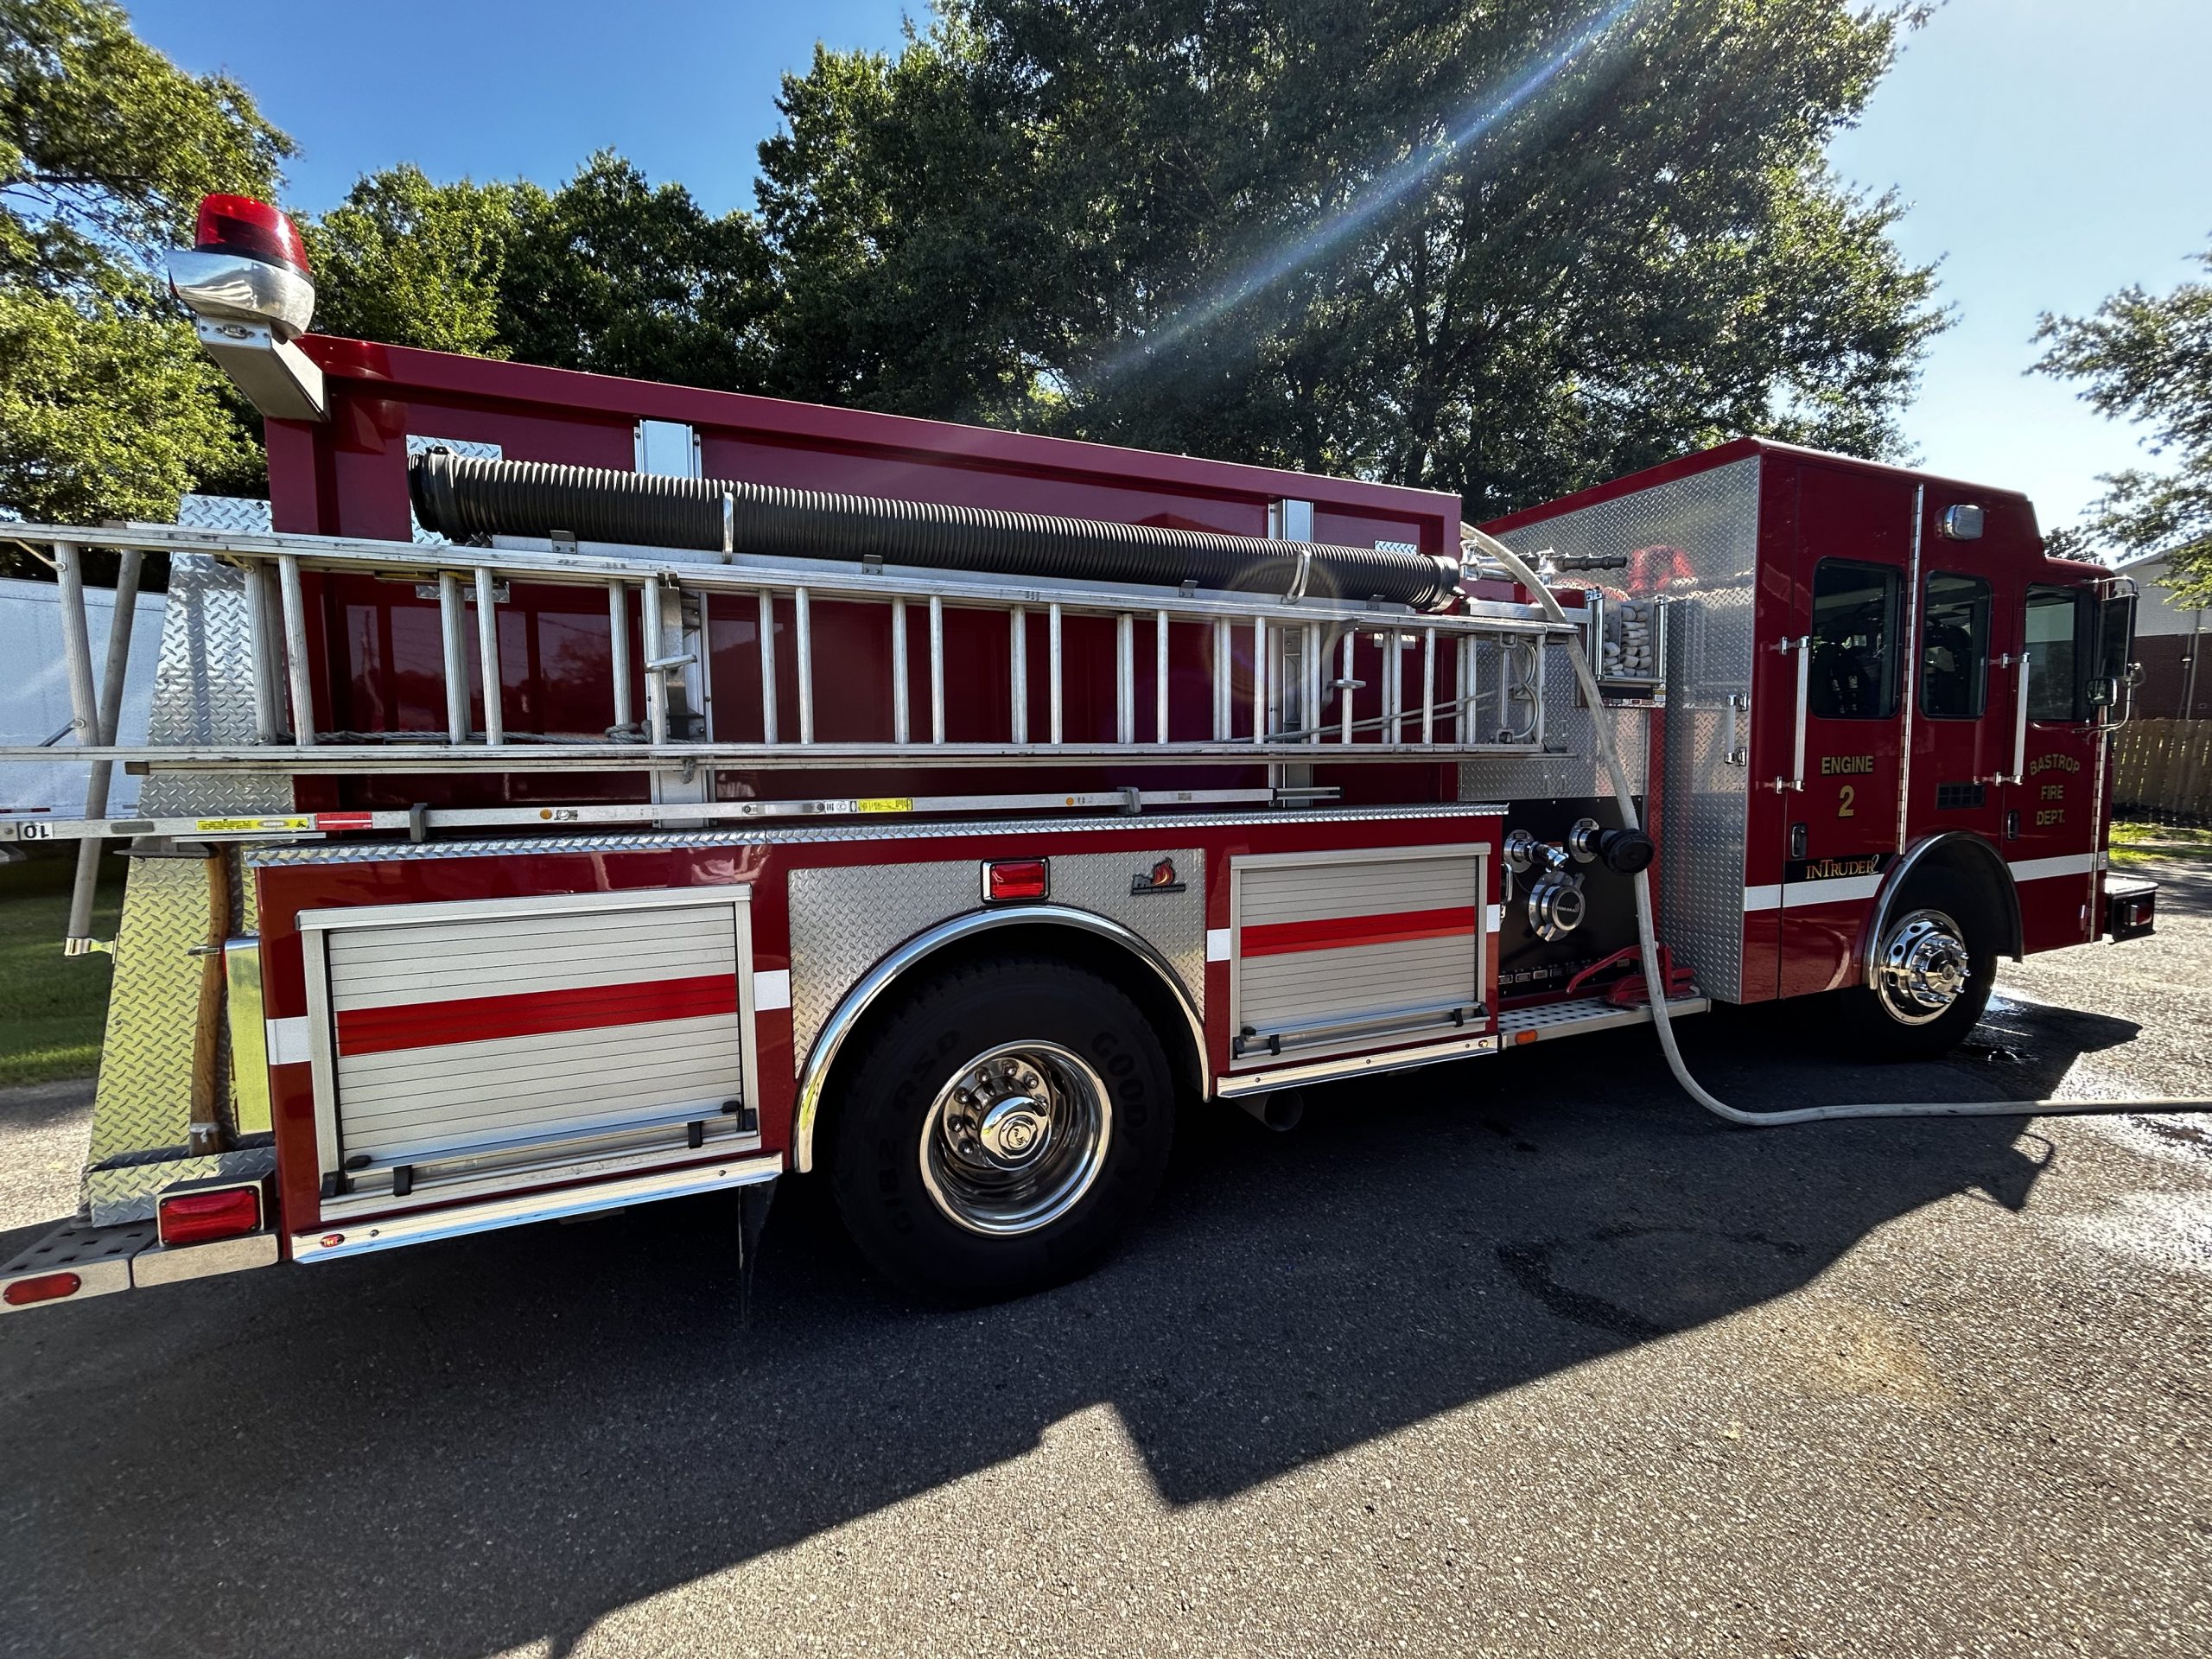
[1522,1357]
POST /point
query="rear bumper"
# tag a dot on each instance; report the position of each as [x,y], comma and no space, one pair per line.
[78,1261]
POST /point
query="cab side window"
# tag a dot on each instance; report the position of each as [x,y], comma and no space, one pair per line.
[2058,686]
[1955,647]
[1854,641]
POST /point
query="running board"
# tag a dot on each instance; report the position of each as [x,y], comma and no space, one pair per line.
[1583,1014]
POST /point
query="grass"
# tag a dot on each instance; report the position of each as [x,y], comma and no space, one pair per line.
[2136,843]
[52,1009]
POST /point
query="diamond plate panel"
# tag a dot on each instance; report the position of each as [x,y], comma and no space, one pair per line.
[1711,518]
[843,921]
[120,1192]
[203,694]
[143,1101]
[1568,726]
[223,512]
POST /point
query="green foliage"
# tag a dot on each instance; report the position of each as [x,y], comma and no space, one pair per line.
[1509,248]
[106,406]
[107,412]
[2148,357]
[608,273]
[619,276]
[56,1009]
[412,262]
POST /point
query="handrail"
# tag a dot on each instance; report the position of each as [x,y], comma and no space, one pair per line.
[1803,646]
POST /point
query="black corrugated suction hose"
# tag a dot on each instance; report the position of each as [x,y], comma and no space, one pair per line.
[463,497]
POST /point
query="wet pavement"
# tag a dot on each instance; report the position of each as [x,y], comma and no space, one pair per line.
[1526,1356]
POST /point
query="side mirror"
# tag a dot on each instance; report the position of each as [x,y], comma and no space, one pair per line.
[2103,693]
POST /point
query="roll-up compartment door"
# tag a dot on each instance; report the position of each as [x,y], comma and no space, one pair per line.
[454,1034]
[1345,951]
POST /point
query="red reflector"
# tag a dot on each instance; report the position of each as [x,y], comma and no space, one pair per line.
[1016,878]
[197,1218]
[46,1287]
[241,225]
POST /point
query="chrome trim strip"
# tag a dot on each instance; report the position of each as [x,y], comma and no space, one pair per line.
[1402,1059]
[362,1238]
[2036,869]
[169,1265]
[322,1053]
[862,996]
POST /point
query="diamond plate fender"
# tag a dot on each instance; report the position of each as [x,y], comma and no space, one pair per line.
[848,923]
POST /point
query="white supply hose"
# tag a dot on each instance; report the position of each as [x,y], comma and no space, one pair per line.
[1648,945]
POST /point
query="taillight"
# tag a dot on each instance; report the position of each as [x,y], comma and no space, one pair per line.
[1016,878]
[241,224]
[45,1287]
[200,1217]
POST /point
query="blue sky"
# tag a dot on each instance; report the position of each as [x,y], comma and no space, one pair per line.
[2051,151]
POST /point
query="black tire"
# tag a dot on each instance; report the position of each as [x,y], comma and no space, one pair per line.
[1884,1022]
[904,1156]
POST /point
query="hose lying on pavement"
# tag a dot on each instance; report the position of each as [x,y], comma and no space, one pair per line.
[1654,981]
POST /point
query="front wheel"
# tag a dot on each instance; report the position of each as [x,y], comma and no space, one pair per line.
[1007,1124]
[1932,972]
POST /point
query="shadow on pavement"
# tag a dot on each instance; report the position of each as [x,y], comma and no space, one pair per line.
[466,1446]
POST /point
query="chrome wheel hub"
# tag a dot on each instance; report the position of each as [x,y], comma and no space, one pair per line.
[1015,1139]
[1925,967]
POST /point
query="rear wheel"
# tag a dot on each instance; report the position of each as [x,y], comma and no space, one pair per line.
[1005,1126]
[1931,973]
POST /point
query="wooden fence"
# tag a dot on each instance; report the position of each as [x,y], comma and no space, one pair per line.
[2163,769]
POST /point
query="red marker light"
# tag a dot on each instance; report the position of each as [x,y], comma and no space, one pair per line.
[201,1217]
[46,1287]
[242,226]
[331,1241]
[1016,878]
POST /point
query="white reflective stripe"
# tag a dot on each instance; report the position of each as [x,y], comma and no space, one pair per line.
[771,988]
[2034,869]
[1217,945]
[287,1040]
[1832,890]
[1765,898]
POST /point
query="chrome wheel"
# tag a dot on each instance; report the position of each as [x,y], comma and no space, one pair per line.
[1923,969]
[1016,1138]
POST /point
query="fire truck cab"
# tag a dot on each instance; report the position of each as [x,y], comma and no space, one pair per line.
[566,792]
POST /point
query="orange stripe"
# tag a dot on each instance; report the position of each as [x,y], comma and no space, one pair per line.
[1342,933]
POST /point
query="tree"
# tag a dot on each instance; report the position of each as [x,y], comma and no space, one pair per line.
[621,277]
[2148,357]
[107,408]
[412,262]
[1507,249]
[609,273]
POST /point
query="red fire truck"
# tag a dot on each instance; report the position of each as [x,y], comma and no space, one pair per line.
[566,792]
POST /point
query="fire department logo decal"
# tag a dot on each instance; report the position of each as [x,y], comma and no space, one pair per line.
[1160,878]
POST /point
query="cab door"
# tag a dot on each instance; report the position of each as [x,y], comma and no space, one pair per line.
[1965,668]
[1838,821]
[2053,809]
